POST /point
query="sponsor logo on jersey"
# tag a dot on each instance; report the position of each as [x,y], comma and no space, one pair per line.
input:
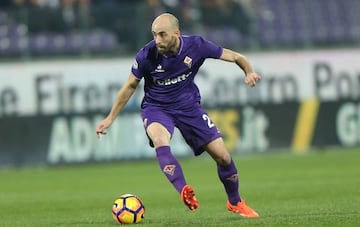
[173,80]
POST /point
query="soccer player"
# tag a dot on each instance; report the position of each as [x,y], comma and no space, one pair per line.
[169,64]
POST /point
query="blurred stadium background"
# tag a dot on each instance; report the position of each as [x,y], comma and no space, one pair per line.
[88,28]
[62,62]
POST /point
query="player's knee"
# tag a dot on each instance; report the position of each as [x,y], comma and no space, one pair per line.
[223,159]
[159,141]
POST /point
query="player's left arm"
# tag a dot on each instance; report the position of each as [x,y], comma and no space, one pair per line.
[231,56]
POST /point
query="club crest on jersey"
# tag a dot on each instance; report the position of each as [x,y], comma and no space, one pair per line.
[188,61]
[233,178]
[169,169]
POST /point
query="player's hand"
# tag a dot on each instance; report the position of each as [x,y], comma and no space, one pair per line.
[251,79]
[102,126]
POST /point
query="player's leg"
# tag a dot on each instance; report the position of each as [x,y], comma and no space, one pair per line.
[226,168]
[228,175]
[170,166]
[159,134]
[202,134]
[159,128]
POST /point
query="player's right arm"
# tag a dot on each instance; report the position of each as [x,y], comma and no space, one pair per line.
[123,96]
[250,76]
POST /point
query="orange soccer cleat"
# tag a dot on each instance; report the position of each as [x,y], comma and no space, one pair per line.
[243,209]
[188,197]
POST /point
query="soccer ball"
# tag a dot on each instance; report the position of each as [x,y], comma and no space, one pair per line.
[127,209]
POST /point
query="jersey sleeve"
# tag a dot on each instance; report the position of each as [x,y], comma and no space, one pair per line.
[138,68]
[210,49]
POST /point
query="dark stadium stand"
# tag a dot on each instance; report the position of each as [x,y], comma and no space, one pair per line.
[308,22]
[286,23]
[272,24]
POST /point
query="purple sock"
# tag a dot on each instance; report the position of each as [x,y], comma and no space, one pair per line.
[170,167]
[229,177]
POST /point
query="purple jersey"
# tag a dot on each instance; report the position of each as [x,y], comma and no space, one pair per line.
[169,79]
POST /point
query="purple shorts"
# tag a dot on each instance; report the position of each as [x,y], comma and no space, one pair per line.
[194,124]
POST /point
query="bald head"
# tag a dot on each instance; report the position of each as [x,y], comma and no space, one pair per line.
[166,33]
[165,21]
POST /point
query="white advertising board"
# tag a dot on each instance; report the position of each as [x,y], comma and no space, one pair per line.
[53,87]
[78,86]
[286,76]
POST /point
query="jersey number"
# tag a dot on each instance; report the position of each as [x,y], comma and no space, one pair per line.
[207,118]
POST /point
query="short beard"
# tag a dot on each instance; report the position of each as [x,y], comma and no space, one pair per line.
[170,47]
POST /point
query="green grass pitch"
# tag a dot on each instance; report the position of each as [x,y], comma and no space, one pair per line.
[321,188]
